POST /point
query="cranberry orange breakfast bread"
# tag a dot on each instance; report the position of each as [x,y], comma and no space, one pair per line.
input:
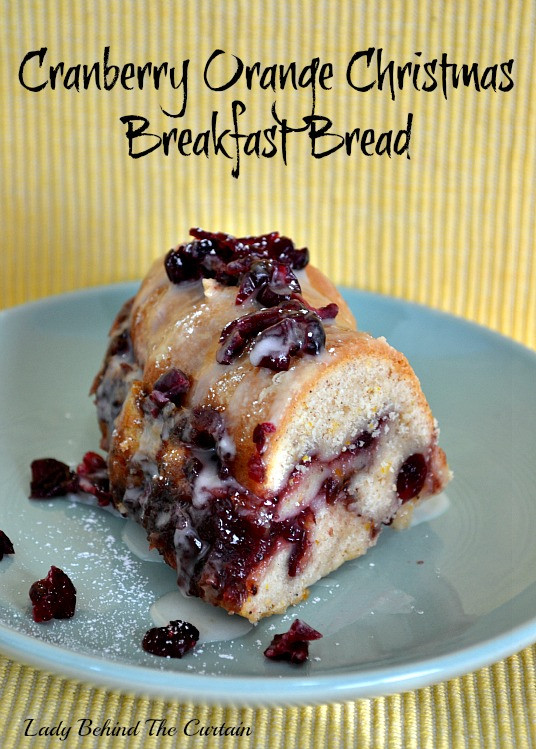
[259,439]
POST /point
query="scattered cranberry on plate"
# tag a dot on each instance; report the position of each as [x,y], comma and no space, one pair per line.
[293,645]
[6,547]
[53,597]
[171,641]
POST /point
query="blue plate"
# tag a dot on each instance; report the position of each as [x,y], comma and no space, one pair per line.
[445,597]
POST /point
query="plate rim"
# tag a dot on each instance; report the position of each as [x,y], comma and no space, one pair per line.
[272,690]
[277,689]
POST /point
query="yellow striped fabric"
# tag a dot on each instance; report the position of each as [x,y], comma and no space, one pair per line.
[452,227]
[492,708]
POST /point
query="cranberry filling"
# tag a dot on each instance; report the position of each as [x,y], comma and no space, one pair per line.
[235,541]
[171,641]
[293,645]
[256,468]
[54,597]
[6,547]
[411,477]
[259,435]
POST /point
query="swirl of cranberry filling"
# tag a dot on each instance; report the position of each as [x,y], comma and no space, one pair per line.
[411,477]
[221,531]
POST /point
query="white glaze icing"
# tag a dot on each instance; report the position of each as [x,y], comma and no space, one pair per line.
[135,538]
[430,509]
[214,624]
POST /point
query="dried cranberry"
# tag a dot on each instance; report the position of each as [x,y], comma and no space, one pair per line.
[192,470]
[171,641]
[171,386]
[270,282]
[282,332]
[51,478]
[6,547]
[227,258]
[54,597]
[93,478]
[329,312]
[293,645]
[411,477]
[293,334]
[239,332]
[182,263]
[270,245]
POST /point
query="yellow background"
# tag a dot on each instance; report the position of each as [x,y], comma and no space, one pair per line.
[453,227]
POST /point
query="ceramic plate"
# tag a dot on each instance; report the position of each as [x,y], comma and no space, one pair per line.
[445,597]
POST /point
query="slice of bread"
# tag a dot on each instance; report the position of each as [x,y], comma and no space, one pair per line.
[255,482]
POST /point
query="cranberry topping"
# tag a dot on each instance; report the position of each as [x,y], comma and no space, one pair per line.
[227,258]
[54,597]
[271,283]
[266,245]
[6,547]
[51,478]
[289,337]
[411,477]
[93,478]
[281,332]
[171,641]
[293,645]
[259,435]
[329,312]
